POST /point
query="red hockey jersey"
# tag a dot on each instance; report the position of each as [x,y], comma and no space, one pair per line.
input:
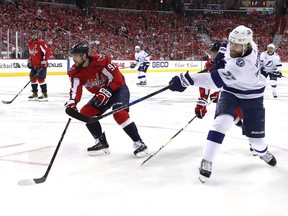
[100,73]
[38,51]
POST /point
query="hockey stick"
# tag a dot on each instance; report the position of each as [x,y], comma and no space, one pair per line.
[25,182]
[125,68]
[90,120]
[9,102]
[152,155]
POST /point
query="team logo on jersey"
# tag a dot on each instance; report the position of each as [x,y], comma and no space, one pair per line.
[240,62]
[33,51]
[269,64]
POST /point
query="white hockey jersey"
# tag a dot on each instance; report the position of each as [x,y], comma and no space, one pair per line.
[241,76]
[270,63]
[141,57]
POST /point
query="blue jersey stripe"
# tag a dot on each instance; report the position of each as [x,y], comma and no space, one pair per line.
[245,92]
[217,79]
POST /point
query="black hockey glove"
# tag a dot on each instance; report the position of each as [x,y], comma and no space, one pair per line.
[279,74]
[29,65]
[132,65]
[180,83]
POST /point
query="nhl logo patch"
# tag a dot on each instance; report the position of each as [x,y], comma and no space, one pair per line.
[240,62]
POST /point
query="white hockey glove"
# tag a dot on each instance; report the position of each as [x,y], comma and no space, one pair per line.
[71,103]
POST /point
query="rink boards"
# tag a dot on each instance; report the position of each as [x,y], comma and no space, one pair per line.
[18,67]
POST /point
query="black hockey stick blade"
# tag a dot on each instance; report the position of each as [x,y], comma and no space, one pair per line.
[26,182]
[90,120]
[7,102]
[75,114]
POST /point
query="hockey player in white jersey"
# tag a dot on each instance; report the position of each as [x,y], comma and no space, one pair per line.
[241,85]
[142,61]
[271,66]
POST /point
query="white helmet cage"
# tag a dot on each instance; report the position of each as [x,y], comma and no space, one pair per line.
[241,35]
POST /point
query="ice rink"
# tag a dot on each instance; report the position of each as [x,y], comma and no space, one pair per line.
[116,185]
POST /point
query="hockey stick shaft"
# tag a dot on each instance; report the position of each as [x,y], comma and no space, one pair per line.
[44,177]
[152,155]
[57,148]
[9,102]
[124,68]
[73,113]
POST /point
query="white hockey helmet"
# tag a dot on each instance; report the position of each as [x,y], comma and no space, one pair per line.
[271,46]
[137,48]
[241,35]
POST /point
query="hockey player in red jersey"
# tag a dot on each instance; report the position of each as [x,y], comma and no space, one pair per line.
[104,80]
[200,109]
[38,63]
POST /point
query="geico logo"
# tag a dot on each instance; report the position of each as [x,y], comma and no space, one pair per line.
[160,64]
[54,64]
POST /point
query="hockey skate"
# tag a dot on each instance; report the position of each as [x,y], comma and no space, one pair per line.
[43,97]
[274,94]
[33,97]
[101,147]
[141,149]
[142,83]
[205,170]
[269,159]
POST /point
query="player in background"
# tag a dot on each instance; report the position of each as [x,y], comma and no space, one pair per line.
[142,61]
[106,83]
[271,66]
[210,65]
[216,61]
[242,85]
[39,53]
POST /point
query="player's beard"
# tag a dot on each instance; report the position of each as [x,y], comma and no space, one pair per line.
[79,64]
[270,53]
[34,40]
[235,54]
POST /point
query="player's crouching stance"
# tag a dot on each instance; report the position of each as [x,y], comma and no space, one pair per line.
[242,86]
[104,80]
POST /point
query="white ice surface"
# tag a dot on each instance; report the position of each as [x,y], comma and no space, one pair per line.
[115,185]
